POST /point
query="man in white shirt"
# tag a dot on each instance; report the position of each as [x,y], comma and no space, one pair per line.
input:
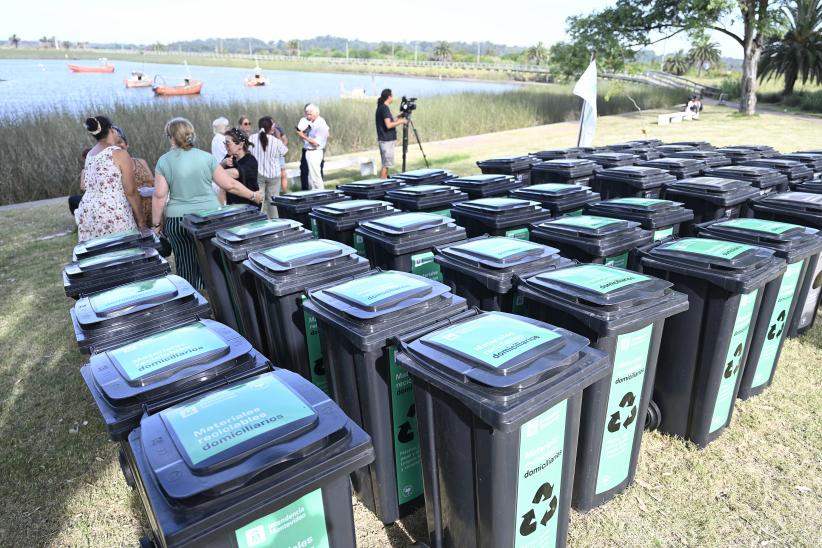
[314,137]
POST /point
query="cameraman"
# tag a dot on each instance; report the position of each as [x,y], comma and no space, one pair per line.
[387,130]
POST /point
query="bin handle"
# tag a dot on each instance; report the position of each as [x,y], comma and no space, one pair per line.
[402,340]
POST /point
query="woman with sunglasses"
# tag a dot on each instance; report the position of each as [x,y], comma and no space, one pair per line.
[240,164]
[244,123]
[182,185]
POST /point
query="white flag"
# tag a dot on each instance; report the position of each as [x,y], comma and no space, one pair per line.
[587,89]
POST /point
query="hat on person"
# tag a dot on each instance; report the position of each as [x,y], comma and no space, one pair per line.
[220,125]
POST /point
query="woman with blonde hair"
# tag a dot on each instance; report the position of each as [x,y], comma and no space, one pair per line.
[182,185]
[111,202]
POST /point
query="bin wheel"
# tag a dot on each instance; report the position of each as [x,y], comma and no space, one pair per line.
[147,542]
[653,418]
[128,474]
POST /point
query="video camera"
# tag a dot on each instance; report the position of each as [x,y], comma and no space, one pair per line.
[407,106]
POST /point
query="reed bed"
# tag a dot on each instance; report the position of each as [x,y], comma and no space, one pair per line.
[41,153]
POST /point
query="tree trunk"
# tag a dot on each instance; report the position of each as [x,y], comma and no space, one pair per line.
[750,65]
[790,82]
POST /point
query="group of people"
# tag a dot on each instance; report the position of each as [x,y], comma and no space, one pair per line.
[244,167]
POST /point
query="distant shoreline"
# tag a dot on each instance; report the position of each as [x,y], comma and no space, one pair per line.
[433,73]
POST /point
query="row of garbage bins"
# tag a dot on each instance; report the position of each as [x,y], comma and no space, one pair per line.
[498,378]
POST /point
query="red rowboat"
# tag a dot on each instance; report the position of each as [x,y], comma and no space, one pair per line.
[80,68]
[189,87]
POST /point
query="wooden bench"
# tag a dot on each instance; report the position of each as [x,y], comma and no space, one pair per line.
[366,165]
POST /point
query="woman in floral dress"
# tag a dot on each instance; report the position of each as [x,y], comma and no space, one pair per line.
[111,202]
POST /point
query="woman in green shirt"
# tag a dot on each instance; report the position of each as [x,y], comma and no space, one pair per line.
[182,185]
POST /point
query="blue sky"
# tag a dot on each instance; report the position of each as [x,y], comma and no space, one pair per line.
[512,22]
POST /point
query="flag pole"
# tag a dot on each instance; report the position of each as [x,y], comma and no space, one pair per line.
[582,108]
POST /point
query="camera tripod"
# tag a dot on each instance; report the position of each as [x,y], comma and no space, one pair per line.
[405,141]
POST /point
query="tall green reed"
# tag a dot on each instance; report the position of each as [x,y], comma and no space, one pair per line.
[40,154]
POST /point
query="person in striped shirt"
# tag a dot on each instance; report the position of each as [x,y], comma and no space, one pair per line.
[269,150]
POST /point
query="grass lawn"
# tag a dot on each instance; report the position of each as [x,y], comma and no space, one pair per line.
[760,484]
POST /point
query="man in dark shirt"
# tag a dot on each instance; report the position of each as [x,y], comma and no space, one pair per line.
[386,130]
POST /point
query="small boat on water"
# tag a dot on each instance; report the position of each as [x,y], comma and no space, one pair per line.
[104,66]
[138,79]
[256,78]
[188,87]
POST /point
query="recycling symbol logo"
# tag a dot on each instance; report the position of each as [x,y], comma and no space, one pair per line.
[544,501]
[628,404]
[319,367]
[406,433]
[732,367]
[780,322]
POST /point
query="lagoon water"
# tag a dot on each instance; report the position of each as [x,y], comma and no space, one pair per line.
[35,85]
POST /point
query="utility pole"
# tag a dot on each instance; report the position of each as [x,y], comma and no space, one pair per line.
[392,50]
[478,53]
[416,46]
[346,50]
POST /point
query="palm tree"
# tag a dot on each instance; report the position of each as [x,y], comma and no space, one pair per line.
[677,63]
[538,54]
[442,52]
[703,52]
[14,40]
[799,51]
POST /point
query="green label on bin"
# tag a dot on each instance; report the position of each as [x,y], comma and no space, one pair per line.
[711,248]
[359,245]
[595,277]
[110,257]
[733,361]
[109,238]
[777,328]
[407,460]
[539,478]
[759,225]
[314,349]
[585,221]
[221,209]
[619,261]
[301,524]
[662,234]
[518,233]
[225,418]
[370,290]
[422,264]
[159,352]
[245,230]
[443,212]
[491,339]
[315,230]
[131,294]
[641,202]
[622,417]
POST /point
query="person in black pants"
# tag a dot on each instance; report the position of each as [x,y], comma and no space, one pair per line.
[305,126]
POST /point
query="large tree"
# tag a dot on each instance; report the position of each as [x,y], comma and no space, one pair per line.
[633,23]
[442,52]
[797,52]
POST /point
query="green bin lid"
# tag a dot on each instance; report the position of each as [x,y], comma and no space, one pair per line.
[113,258]
[789,241]
[289,256]
[407,223]
[604,298]
[506,369]
[256,229]
[129,295]
[592,225]
[735,266]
